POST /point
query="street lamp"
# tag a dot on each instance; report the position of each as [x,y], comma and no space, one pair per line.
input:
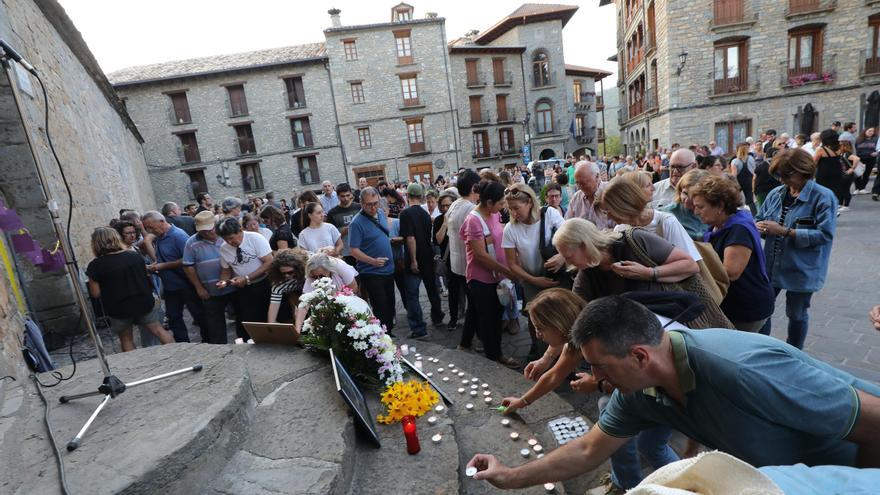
[682,59]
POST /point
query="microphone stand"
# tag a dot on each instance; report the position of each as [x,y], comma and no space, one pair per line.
[111,386]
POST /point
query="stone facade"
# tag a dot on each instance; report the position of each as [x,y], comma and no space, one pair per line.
[757,89]
[98,145]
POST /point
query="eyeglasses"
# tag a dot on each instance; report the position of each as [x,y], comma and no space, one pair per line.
[371,204]
[512,191]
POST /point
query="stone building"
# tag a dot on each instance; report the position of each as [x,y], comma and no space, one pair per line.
[385,101]
[99,148]
[694,74]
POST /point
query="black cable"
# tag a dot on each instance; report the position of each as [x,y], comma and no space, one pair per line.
[57,375]
[58,457]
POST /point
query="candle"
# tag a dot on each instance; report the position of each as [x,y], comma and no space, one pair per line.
[418,365]
[487,400]
[532,441]
[439,409]
[436,438]
[538,449]
[474,386]
[417,355]
[487,392]
[549,487]
[539,456]
[404,350]
[432,420]
[473,393]
[468,406]
[485,385]
[412,438]
[440,370]
[445,378]
[475,379]
[505,422]
[461,390]
[429,375]
[464,382]
[451,366]
[461,374]
[525,452]
[470,472]
[514,436]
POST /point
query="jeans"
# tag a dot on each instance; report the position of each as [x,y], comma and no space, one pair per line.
[214,331]
[175,300]
[488,319]
[796,306]
[457,290]
[411,282]
[626,468]
[471,317]
[252,304]
[380,289]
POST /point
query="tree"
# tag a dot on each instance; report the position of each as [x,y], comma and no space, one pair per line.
[612,146]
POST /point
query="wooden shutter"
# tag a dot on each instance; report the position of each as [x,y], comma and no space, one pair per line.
[181,108]
[307,132]
[476,109]
[237,101]
[498,70]
[471,68]
[501,105]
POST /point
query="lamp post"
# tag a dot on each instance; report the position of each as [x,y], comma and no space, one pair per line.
[682,59]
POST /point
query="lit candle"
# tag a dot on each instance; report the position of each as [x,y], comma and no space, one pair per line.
[473,393]
[440,370]
[461,390]
[505,422]
[474,386]
[429,375]
[485,385]
[445,378]
[468,406]
[514,436]
[436,438]
[525,452]
[532,441]
[404,350]
[487,400]
[487,392]
[549,487]
[439,409]
[412,438]
[538,449]
[451,366]
[464,382]
[432,420]
[461,374]
[475,379]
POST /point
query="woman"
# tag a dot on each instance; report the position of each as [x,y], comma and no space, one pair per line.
[318,234]
[441,240]
[562,180]
[487,266]
[118,279]
[231,207]
[866,149]
[553,312]
[850,162]
[245,259]
[395,202]
[282,237]
[554,198]
[749,299]
[829,166]
[617,262]
[251,223]
[287,276]
[321,265]
[763,182]
[682,208]
[644,180]
[798,220]
[430,204]
[298,218]
[743,169]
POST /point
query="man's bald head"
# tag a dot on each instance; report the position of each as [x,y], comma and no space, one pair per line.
[586,176]
[681,161]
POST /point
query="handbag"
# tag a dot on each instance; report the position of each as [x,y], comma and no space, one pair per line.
[711,317]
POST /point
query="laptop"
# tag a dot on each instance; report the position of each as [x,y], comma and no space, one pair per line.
[271,333]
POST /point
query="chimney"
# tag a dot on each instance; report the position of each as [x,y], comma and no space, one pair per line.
[334,17]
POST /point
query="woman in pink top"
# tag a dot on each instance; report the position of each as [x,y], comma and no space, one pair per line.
[486,266]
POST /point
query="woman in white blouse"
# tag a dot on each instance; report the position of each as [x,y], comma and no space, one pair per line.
[319,235]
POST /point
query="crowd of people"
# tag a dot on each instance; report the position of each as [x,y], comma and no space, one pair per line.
[660,271]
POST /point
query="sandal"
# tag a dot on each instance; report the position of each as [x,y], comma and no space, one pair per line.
[509,362]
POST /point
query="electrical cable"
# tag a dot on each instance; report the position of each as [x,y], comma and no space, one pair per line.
[58,458]
[57,375]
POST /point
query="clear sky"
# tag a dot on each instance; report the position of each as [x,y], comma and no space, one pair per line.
[123,33]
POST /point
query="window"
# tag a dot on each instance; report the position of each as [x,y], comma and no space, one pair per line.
[308,170]
[403,42]
[501,106]
[505,137]
[731,67]
[350,47]
[728,12]
[374,174]
[872,60]
[416,136]
[729,134]
[472,68]
[576,89]
[544,118]
[197,182]
[364,139]
[541,70]
[251,179]
[296,95]
[802,6]
[189,147]
[410,91]
[181,108]
[500,77]
[403,14]
[357,92]
[244,137]
[481,144]
[476,103]
[237,101]
[579,126]
[804,51]
[301,133]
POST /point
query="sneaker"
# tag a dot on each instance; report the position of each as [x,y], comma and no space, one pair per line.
[861,191]
[509,362]
[843,208]
[875,197]
[463,348]
[420,335]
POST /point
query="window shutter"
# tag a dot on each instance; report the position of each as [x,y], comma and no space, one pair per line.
[471,68]
[501,105]
[307,132]
[498,70]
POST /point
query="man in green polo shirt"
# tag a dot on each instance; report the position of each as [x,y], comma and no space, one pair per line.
[746,394]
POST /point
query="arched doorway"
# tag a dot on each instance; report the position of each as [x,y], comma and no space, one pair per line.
[547,153]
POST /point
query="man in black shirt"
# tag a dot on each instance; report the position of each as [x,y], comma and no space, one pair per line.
[172,215]
[341,215]
[415,228]
[206,203]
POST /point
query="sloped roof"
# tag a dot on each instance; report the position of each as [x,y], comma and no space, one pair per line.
[217,64]
[525,14]
[580,70]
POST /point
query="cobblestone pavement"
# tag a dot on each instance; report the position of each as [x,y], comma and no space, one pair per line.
[840,332]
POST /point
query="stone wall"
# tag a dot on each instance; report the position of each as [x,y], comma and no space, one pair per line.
[269,117]
[97,144]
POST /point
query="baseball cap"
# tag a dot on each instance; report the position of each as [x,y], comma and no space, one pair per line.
[415,190]
[204,220]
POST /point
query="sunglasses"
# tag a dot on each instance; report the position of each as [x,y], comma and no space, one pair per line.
[239,255]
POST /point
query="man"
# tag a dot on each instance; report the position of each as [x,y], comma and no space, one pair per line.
[205,202]
[173,216]
[835,126]
[815,141]
[629,165]
[603,168]
[270,199]
[415,228]
[715,150]
[789,141]
[849,134]
[769,138]
[191,209]
[746,394]
[585,202]
[455,218]
[362,184]
[201,264]
[369,239]
[329,199]
[680,163]
[176,290]
[342,215]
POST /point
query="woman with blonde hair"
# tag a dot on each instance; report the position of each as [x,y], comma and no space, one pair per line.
[644,180]
[118,279]
[553,313]
[617,262]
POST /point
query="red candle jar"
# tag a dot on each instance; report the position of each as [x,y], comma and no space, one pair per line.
[412,437]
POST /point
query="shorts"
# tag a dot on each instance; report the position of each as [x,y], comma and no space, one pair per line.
[117,325]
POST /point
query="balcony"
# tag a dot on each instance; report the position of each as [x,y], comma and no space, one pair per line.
[652,102]
[483,153]
[409,103]
[622,115]
[636,108]
[512,149]
[480,118]
[818,73]
[188,154]
[650,42]
[417,148]
[600,135]
[543,81]
[506,115]
[871,67]
[586,136]
[797,8]
[745,81]
[476,81]
[244,146]
[600,103]
[506,79]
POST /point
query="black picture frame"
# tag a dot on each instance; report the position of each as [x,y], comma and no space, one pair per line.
[354,398]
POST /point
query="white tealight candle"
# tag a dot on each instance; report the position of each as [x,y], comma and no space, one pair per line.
[525,452]
[487,400]
[538,449]
[436,438]
[505,422]
[461,390]
[474,386]
[470,472]
[451,366]
[485,385]
[445,378]
[439,409]
[475,379]
[404,350]
[468,406]
[549,487]
[461,374]
[440,370]
[532,441]
[539,456]
[429,375]
[514,436]
[464,382]
[473,393]
[487,392]
[418,356]
[432,420]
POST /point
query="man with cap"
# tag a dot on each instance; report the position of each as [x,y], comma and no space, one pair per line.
[415,228]
[201,264]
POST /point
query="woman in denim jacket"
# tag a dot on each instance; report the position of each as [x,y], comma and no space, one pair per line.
[798,220]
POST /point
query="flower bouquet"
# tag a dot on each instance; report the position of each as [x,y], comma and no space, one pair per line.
[411,398]
[339,320]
